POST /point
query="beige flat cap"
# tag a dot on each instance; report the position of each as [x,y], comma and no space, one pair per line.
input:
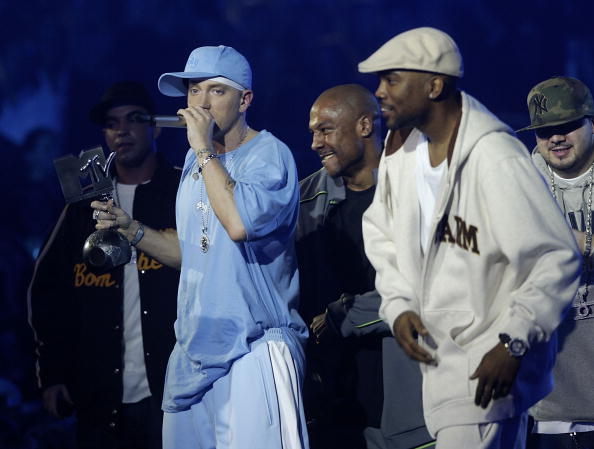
[425,49]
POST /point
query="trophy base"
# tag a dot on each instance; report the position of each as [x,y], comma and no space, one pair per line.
[106,249]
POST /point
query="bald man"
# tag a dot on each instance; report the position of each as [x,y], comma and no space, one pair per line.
[361,391]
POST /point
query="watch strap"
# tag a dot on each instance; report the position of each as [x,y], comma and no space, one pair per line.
[139,235]
[514,346]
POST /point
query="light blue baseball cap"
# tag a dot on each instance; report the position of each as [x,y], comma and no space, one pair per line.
[208,62]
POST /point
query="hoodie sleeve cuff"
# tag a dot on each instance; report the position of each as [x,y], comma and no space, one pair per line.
[527,331]
[391,310]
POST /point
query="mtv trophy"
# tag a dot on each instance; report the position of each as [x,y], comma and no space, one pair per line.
[84,178]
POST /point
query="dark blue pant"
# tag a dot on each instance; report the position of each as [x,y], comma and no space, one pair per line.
[579,440]
[139,427]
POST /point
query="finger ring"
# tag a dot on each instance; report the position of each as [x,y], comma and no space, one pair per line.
[95,214]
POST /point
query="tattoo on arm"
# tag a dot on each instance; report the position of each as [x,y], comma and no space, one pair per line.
[203,152]
[230,185]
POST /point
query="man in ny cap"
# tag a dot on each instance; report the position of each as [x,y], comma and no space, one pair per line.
[103,339]
[561,111]
[234,376]
[475,264]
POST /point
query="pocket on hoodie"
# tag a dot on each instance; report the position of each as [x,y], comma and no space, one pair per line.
[449,379]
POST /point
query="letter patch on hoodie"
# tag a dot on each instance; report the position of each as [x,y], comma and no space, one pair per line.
[460,233]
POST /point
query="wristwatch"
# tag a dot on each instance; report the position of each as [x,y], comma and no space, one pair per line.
[139,235]
[515,347]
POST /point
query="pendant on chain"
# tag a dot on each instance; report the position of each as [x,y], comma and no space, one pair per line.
[583,309]
[204,241]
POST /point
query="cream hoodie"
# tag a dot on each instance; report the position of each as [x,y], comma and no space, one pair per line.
[501,258]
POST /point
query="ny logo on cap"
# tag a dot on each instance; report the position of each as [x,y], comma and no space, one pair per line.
[539,101]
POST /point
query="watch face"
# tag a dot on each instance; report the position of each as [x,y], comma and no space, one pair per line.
[517,347]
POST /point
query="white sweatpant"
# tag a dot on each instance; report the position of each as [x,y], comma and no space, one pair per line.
[506,434]
[257,405]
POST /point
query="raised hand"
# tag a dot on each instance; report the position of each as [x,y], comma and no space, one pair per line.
[110,216]
[200,125]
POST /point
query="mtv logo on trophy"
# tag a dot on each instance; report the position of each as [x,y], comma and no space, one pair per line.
[87,177]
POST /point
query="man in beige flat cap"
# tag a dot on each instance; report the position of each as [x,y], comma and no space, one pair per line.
[475,263]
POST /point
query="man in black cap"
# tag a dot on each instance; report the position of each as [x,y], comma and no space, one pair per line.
[103,339]
[561,115]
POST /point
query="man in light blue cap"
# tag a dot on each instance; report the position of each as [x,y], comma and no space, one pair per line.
[234,376]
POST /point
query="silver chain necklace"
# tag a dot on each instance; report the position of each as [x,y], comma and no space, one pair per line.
[205,208]
[583,309]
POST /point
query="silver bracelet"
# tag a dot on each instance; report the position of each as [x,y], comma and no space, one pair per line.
[205,161]
[139,235]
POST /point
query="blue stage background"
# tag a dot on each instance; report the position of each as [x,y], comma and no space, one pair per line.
[56,58]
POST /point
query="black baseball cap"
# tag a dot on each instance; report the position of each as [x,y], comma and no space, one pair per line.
[119,94]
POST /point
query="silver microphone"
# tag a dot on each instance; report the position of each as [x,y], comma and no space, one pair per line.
[163,121]
[168,121]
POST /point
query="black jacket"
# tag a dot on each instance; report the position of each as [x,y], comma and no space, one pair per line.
[77,315]
[353,318]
